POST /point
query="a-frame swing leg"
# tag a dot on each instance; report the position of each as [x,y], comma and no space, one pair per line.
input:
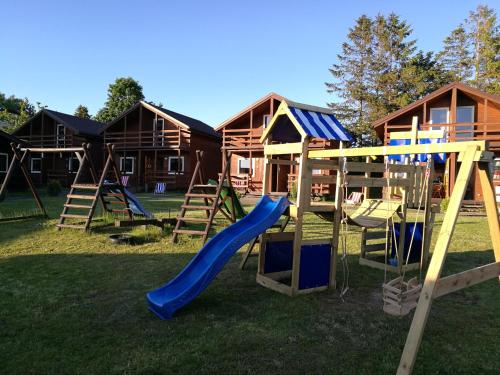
[491,208]
[419,321]
[29,180]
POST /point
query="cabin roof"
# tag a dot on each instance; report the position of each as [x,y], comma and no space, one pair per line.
[178,118]
[77,124]
[312,121]
[271,95]
[11,138]
[434,94]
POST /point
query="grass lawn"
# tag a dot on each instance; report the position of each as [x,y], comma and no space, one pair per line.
[71,302]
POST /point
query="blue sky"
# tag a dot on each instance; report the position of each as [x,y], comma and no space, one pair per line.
[206,59]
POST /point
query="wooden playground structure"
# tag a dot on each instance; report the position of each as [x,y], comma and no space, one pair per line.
[110,194]
[410,182]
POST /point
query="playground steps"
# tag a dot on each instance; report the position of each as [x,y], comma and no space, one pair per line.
[210,194]
[96,190]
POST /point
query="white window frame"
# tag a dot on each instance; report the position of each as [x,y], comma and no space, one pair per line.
[122,159]
[6,162]
[71,160]
[239,166]
[169,166]
[31,165]
[463,136]
[264,122]
[60,140]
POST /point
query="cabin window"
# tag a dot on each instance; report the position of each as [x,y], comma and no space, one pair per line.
[175,164]
[4,162]
[73,164]
[439,116]
[465,114]
[36,165]
[127,164]
[244,166]
[266,120]
[159,129]
[61,136]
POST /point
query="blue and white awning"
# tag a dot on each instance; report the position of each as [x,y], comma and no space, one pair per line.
[321,125]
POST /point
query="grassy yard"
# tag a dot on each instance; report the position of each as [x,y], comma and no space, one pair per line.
[71,302]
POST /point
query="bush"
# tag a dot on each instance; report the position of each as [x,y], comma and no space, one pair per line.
[54,188]
[444,204]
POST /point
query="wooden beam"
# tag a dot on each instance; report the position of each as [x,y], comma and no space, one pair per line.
[283,149]
[491,207]
[52,150]
[430,134]
[398,150]
[421,315]
[452,283]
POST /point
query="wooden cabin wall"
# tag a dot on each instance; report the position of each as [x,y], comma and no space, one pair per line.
[212,158]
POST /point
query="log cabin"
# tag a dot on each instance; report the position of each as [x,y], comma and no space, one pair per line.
[241,134]
[154,144]
[465,114]
[52,129]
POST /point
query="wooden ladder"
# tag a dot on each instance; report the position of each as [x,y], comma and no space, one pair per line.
[83,197]
[212,201]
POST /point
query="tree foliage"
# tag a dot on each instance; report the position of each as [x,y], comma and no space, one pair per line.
[82,112]
[122,94]
[14,112]
[380,71]
[470,53]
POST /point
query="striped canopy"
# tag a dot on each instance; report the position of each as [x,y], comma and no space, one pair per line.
[321,125]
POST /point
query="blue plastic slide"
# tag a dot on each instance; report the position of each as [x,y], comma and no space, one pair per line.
[136,206]
[205,265]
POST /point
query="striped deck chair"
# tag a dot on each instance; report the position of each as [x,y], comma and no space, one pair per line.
[160,188]
[125,181]
[354,198]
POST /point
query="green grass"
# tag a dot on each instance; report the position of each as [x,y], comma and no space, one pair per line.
[72,302]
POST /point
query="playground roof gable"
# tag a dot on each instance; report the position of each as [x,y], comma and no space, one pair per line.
[310,121]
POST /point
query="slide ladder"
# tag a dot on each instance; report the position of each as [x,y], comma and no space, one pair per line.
[82,198]
[211,197]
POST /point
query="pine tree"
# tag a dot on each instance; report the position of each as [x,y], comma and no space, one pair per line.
[485,39]
[350,80]
[122,94]
[456,55]
[82,112]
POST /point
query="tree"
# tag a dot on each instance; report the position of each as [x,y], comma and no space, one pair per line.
[456,55]
[350,79]
[122,94]
[82,112]
[485,38]
[14,111]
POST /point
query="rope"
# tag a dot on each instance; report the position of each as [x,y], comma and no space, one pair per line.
[424,186]
[387,173]
[344,230]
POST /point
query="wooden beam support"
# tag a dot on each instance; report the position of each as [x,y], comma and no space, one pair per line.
[283,149]
[452,283]
[421,315]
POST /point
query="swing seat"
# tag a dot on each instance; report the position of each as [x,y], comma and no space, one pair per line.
[373,213]
[400,297]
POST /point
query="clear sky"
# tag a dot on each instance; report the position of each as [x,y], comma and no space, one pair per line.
[206,59]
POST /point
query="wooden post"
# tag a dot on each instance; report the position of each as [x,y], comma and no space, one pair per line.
[421,315]
[303,201]
[491,207]
[337,222]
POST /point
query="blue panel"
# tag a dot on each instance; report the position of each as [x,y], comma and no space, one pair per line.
[314,266]
[399,142]
[314,262]
[416,247]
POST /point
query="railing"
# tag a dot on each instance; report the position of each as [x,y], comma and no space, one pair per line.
[48,140]
[173,181]
[460,132]
[242,138]
[179,138]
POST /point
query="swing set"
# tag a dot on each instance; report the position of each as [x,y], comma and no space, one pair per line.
[311,265]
